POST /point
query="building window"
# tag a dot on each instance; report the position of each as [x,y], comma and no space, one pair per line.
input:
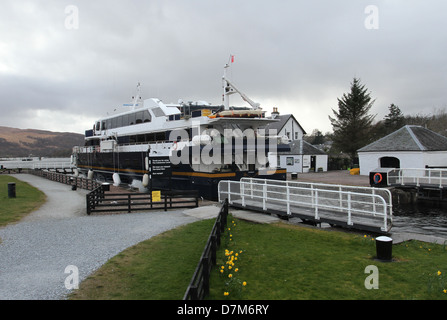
[289,161]
[296,135]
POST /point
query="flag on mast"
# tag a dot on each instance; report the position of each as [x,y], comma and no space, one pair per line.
[232,58]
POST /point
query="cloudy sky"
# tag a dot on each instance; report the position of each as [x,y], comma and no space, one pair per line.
[63,64]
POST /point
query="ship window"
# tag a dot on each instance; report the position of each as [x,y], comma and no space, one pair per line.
[109,124]
[140,138]
[139,117]
[131,119]
[160,136]
[146,116]
[158,112]
[97,126]
[113,123]
[125,120]
[103,125]
[119,122]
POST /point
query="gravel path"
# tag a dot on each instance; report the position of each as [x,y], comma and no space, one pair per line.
[35,252]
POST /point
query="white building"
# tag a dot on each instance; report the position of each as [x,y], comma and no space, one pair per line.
[302,157]
[286,126]
[409,147]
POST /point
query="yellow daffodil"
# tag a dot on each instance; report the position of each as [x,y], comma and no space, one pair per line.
[244,283]
[439,273]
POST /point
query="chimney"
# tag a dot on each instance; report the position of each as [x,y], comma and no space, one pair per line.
[275,113]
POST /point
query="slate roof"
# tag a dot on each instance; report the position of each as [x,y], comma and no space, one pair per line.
[278,125]
[409,138]
[302,147]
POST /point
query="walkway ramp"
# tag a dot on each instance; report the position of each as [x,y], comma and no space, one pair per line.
[361,208]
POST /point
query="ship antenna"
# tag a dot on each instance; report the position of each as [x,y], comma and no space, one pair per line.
[137,96]
[225,85]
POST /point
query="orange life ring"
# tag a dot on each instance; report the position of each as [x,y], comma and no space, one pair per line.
[377,178]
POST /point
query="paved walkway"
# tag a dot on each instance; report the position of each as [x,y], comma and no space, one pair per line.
[36,251]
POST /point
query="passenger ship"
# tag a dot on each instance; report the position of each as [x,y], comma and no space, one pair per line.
[182,146]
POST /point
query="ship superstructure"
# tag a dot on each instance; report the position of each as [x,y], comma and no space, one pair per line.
[189,145]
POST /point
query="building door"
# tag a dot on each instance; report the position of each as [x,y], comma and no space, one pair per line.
[313,162]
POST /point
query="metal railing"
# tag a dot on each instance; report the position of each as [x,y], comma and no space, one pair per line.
[53,165]
[350,207]
[418,177]
[199,285]
[384,193]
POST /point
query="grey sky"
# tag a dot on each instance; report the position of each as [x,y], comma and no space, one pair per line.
[299,56]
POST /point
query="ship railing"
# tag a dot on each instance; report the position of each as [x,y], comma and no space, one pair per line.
[418,177]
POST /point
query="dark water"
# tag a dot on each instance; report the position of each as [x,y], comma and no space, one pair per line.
[420,218]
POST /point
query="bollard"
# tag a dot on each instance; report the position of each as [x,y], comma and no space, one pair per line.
[384,247]
[11,190]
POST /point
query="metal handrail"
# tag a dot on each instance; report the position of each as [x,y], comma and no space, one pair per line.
[418,176]
[385,193]
[312,198]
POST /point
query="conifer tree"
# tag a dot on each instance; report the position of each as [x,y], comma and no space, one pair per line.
[352,121]
[394,119]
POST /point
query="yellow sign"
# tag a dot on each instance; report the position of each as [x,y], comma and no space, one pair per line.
[156,196]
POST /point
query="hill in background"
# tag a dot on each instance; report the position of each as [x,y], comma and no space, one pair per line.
[38,143]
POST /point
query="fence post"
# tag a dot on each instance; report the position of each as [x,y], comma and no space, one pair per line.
[206,276]
[243,193]
[264,196]
[88,204]
[166,201]
[193,293]
[128,203]
[349,209]
[225,215]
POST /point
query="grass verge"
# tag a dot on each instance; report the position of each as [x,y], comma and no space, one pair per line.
[27,200]
[156,269]
[276,262]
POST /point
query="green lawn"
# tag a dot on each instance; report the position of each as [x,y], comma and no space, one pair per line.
[293,262]
[279,261]
[27,200]
[157,269]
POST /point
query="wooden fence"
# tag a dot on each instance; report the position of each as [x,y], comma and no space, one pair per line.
[100,201]
[200,282]
[78,182]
